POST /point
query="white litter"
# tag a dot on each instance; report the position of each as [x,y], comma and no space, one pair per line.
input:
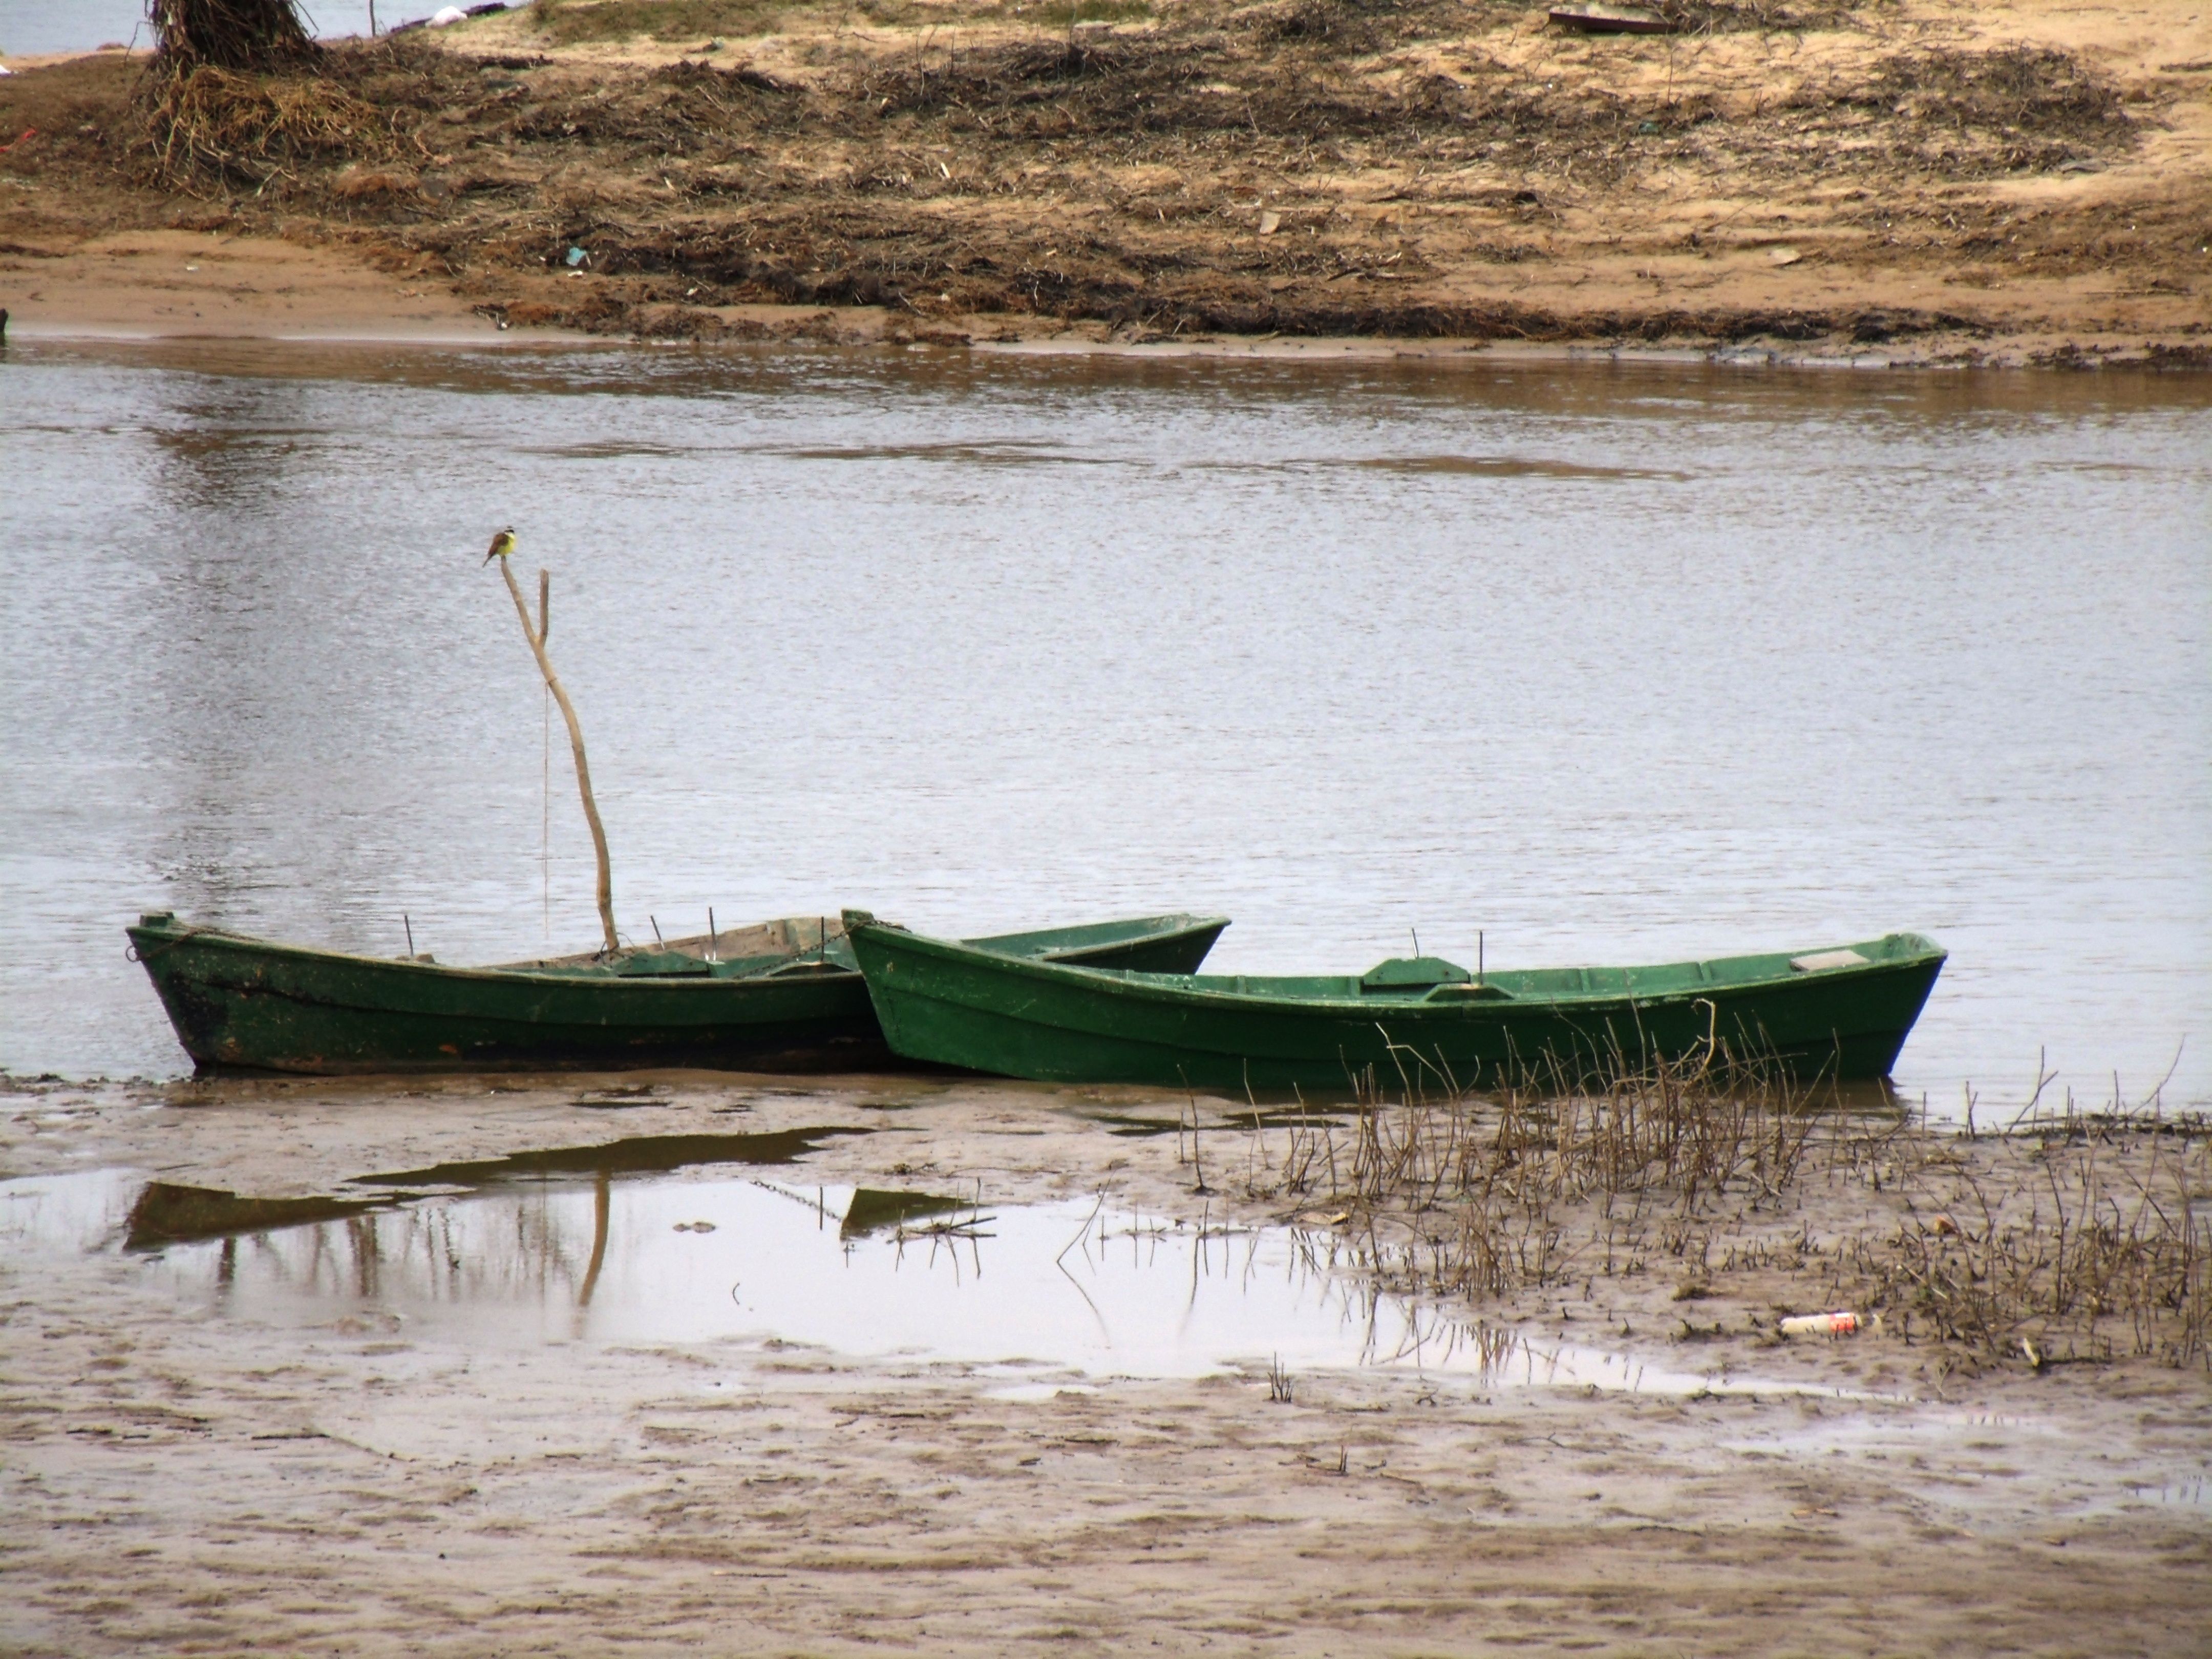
[1827,1324]
[446,14]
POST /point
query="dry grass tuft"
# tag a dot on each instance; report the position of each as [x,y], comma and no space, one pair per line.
[255,126]
[2069,1239]
[2068,1236]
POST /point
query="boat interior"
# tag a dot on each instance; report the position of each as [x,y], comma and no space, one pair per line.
[1433,979]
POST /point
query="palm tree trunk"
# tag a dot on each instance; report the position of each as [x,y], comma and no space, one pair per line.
[233,34]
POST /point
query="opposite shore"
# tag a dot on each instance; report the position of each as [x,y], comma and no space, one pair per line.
[1922,184]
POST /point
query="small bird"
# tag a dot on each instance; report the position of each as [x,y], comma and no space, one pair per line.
[501,546]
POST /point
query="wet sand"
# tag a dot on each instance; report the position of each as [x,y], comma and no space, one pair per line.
[174,284]
[181,1477]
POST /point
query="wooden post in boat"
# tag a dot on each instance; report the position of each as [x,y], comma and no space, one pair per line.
[536,635]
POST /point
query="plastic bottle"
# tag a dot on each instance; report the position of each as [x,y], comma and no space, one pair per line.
[1842,1323]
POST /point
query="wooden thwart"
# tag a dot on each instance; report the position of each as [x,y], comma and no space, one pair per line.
[1612,20]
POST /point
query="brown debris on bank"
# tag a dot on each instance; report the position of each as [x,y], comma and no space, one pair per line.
[1827,179]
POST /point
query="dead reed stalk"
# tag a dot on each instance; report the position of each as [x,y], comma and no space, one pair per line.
[2071,1236]
[2063,1249]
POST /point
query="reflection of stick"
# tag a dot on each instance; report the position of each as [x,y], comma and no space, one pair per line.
[600,1205]
[1085,1227]
[536,636]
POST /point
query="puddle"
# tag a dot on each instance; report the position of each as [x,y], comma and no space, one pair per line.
[1034,1394]
[552,1247]
[2189,1493]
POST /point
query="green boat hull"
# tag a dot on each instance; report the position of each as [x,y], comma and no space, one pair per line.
[945,1003]
[238,1003]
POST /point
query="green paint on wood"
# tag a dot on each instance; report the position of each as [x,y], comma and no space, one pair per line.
[945,1002]
[252,1003]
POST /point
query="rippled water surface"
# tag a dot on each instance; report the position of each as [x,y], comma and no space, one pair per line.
[1611,663]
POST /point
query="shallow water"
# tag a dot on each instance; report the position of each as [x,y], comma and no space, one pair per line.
[1049,1292]
[1611,663]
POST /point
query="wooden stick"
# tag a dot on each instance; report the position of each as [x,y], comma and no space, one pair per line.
[575,739]
[545,752]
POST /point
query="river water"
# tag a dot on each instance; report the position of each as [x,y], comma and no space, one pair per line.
[1610,662]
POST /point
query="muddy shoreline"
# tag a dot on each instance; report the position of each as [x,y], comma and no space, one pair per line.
[356,1484]
[1915,184]
[189,1468]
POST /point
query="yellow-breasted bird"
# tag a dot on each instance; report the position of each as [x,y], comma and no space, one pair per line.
[501,546]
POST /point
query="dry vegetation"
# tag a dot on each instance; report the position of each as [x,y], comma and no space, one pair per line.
[2070,1237]
[1303,166]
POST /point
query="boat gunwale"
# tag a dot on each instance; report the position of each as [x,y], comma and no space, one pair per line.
[251,944]
[177,934]
[1163,988]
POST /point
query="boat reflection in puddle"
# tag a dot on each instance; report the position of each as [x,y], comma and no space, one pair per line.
[551,1247]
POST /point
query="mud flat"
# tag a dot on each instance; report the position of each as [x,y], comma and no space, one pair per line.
[1922,182]
[598,1363]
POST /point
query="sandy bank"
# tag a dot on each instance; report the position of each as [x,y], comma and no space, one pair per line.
[1929,182]
[167,284]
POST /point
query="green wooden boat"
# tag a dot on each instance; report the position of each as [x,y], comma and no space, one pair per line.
[1839,1012]
[781,996]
